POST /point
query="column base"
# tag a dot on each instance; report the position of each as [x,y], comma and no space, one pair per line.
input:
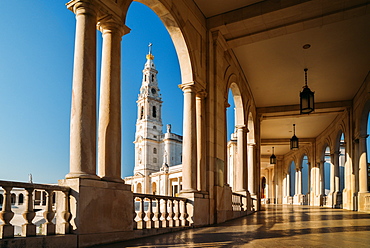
[363,201]
[72,175]
[98,209]
[198,208]
[113,179]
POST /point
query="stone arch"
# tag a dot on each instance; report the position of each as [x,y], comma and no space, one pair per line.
[364,119]
[154,188]
[13,198]
[139,188]
[171,21]
[20,199]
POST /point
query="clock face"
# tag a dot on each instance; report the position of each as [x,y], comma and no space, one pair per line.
[153,91]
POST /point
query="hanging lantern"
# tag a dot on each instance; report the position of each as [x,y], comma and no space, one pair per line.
[273,157]
[307,97]
[294,141]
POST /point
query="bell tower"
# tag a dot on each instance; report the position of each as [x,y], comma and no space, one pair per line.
[149,123]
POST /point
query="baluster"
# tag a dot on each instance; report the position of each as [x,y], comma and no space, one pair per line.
[184,214]
[136,216]
[48,228]
[141,214]
[157,215]
[29,229]
[165,214]
[170,213]
[6,215]
[177,213]
[149,215]
[65,226]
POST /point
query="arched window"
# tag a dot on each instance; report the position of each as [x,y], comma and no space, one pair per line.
[154,127]
[138,188]
[141,113]
[155,160]
[154,188]
[305,175]
[12,199]
[154,111]
[152,78]
[1,199]
[145,78]
[155,150]
[20,199]
[327,170]
[263,185]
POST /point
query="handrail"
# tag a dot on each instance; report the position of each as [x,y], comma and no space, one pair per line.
[29,228]
[14,184]
[167,212]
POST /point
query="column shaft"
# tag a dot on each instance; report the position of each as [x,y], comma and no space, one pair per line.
[109,139]
[189,146]
[362,164]
[251,182]
[83,113]
[241,172]
[201,142]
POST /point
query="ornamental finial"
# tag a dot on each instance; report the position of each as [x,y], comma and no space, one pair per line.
[150,55]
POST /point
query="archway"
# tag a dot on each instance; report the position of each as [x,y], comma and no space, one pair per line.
[20,199]
[236,146]
[263,188]
[139,188]
[154,188]
[305,180]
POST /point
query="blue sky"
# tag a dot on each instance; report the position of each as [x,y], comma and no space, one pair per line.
[36,61]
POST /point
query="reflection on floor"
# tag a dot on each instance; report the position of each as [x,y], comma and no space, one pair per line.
[276,226]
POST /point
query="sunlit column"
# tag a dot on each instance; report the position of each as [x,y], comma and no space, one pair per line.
[299,181]
[332,173]
[109,138]
[189,146]
[336,170]
[363,173]
[201,142]
[241,172]
[251,171]
[83,113]
[322,178]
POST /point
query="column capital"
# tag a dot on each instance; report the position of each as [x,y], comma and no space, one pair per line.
[242,127]
[82,7]
[188,87]
[201,94]
[109,24]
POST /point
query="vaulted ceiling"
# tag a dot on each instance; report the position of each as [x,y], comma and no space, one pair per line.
[267,39]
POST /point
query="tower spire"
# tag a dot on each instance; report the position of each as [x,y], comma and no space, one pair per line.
[150,56]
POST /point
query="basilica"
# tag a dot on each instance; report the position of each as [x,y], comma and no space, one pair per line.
[158,155]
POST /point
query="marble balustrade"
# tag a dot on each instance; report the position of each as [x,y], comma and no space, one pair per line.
[29,228]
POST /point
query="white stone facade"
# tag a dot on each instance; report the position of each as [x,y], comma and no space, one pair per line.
[158,155]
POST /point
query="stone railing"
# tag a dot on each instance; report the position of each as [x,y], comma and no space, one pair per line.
[155,211]
[367,202]
[28,227]
[239,202]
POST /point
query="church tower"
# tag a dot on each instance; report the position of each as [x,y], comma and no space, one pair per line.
[149,124]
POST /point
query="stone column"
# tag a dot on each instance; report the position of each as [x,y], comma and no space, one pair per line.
[109,138]
[332,173]
[336,171]
[201,141]
[189,146]
[251,181]
[83,113]
[241,172]
[362,164]
[322,178]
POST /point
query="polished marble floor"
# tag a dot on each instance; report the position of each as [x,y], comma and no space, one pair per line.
[276,226]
